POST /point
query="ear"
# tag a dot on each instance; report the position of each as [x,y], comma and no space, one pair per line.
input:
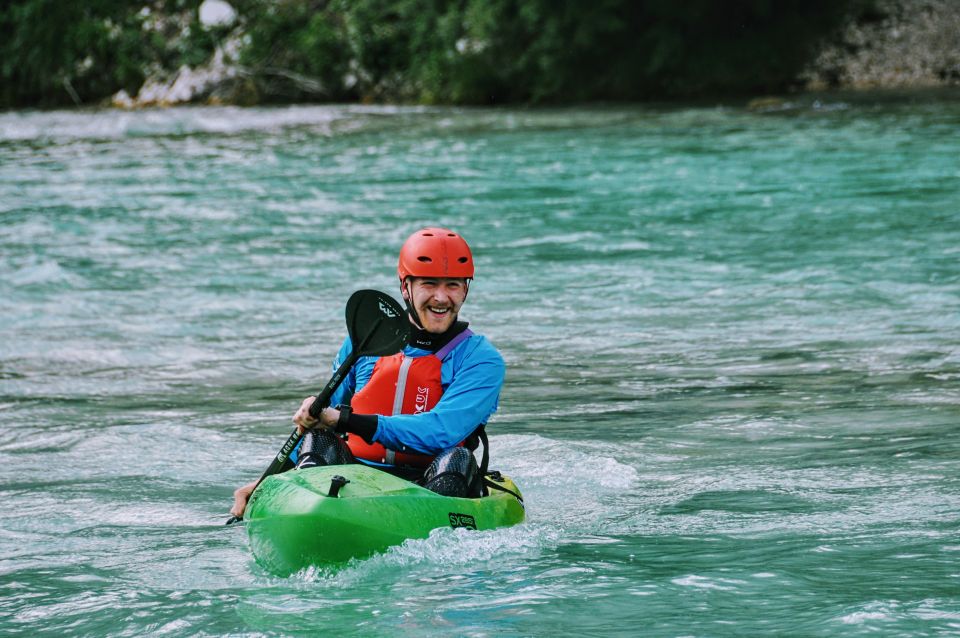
[403,291]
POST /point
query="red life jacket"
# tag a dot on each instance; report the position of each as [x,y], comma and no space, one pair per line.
[400,385]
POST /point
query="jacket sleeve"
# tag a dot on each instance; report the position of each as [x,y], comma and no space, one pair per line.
[346,389]
[477,372]
[355,378]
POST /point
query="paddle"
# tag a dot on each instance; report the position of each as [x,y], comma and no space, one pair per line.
[377,326]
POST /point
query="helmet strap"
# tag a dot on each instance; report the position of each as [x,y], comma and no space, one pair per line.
[408,298]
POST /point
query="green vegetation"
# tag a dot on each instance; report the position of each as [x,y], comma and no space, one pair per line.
[65,52]
[428,51]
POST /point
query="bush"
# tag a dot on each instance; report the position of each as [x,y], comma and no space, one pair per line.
[65,52]
[433,51]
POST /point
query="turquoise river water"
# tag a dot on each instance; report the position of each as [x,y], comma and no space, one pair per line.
[732,339]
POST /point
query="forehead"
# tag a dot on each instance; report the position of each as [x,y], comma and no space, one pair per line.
[442,281]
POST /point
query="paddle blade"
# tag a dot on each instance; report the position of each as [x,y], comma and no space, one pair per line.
[377,324]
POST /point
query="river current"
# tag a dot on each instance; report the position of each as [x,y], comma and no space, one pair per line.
[733,363]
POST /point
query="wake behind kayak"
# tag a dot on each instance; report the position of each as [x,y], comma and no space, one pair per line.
[312,517]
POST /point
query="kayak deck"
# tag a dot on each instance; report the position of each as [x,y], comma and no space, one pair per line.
[293,521]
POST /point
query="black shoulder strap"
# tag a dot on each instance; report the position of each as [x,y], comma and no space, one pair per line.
[486,483]
[481,433]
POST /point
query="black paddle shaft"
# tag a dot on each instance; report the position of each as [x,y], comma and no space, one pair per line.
[315,409]
[323,399]
[362,306]
[317,406]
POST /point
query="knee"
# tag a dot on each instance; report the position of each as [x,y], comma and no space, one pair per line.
[323,447]
[452,473]
[457,459]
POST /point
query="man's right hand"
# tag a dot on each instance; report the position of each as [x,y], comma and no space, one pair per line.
[328,419]
[303,420]
[240,497]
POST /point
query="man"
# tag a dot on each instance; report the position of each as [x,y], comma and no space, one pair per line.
[411,413]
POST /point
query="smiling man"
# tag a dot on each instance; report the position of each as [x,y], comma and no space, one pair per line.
[415,413]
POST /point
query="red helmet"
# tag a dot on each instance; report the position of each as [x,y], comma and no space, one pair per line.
[435,252]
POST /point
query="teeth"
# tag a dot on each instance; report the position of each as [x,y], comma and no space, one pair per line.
[439,311]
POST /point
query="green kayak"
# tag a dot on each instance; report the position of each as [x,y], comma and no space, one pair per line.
[328,515]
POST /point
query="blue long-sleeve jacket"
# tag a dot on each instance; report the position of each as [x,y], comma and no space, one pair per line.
[471,377]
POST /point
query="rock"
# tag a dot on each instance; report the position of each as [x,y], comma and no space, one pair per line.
[915,45]
[217,13]
[186,86]
[122,100]
[768,103]
[218,80]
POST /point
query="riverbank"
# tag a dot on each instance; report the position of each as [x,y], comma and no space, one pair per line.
[259,52]
[904,44]
[894,46]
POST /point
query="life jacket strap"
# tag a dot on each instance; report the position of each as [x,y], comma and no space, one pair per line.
[488,483]
[481,433]
[456,341]
[401,384]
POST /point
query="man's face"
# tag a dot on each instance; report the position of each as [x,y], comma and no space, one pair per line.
[436,301]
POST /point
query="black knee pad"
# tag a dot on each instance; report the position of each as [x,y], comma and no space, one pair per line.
[323,447]
[452,473]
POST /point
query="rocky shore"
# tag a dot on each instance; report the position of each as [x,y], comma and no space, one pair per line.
[898,44]
[904,44]
[220,80]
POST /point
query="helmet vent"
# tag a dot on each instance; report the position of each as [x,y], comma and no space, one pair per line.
[463,260]
[424,259]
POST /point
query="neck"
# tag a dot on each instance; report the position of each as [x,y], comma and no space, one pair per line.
[432,341]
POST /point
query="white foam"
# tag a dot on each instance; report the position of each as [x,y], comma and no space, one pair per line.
[45,271]
[581,465]
[442,550]
[860,617]
[185,120]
